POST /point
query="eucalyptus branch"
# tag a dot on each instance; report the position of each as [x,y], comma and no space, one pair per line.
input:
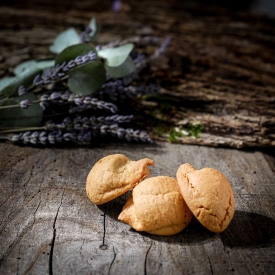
[57,73]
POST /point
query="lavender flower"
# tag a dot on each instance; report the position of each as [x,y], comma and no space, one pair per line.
[84,123]
[58,72]
[80,136]
[115,90]
[24,104]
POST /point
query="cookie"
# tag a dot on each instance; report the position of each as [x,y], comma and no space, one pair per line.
[156,206]
[209,196]
[114,175]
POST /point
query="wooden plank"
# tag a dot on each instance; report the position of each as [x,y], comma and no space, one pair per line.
[48,225]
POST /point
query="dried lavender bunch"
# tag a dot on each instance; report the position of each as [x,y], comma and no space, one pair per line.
[85,123]
[82,103]
[79,137]
[60,86]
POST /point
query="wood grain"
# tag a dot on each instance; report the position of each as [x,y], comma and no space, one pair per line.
[49,226]
[218,71]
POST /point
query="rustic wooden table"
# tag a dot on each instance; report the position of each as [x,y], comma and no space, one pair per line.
[49,226]
[219,71]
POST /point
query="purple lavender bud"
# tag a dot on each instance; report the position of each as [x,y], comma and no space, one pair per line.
[78,101]
[45,74]
[38,81]
[44,98]
[43,138]
[77,127]
[34,134]
[50,125]
[33,141]
[24,104]
[91,55]
[43,105]
[87,136]
[52,73]
[103,129]
[51,138]
[60,75]
[85,58]
[54,96]
[78,60]
[87,100]
[21,90]
[26,134]
[16,137]
[65,69]
[58,136]
[59,68]
[47,81]
[71,64]
[26,140]
[67,136]
[71,98]
[65,96]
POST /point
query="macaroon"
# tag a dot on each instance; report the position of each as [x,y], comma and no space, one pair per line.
[113,176]
[157,207]
[208,194]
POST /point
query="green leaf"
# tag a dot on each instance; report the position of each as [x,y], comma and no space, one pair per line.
[86,79]
[116,56]
[72,52]
[31,66]
[65,39]
[25,80]
[45,64]
[5,82]
[93,26]
[25,68]
[124,69]
[18,117]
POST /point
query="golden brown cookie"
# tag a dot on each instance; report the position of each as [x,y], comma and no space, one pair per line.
[209,196]
[114,175]
[157,207]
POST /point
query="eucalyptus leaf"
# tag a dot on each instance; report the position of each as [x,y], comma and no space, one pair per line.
[32,66]
[17,117]
[25,67]
[72,52]
[88,78]
[93,27]
[5,82]
[124,69]
[25,80]
[65,39]
[45,64]
[116,56]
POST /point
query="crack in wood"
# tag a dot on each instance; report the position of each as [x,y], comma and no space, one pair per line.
[54,235]
[109,272]
[103,246]
[146,256]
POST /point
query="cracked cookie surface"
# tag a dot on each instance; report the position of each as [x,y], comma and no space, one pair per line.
[114,175]
[209,196]
[156,206]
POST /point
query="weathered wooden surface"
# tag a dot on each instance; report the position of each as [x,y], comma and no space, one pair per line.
[219,70]
[49,226]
